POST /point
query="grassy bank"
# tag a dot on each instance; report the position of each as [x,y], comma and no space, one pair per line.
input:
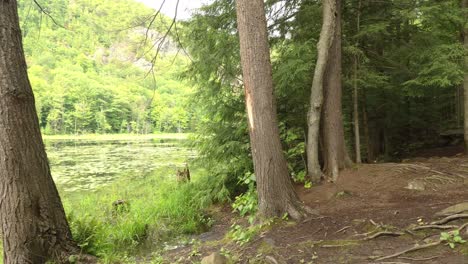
[154,209]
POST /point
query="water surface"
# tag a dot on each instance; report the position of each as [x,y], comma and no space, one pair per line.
[82,164]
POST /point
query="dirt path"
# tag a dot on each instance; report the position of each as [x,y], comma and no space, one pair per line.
[368,199]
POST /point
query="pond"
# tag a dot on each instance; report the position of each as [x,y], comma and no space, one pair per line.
[86,163]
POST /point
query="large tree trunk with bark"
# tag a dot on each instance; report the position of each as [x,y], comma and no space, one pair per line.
[465,82]
[316,99]
[276,194]
[334,152]
[33,221]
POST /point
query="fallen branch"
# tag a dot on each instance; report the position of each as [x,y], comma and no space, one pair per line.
[343,229]
[375,224]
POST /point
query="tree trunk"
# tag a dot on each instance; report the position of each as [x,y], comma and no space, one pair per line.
[357,135]
[316,98]
[365,122]
[465,82]
[276,194]
[334,147]
[33,221]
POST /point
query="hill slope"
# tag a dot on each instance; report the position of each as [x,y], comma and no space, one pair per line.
[89,68]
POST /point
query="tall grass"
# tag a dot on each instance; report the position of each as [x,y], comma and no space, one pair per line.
[154,209]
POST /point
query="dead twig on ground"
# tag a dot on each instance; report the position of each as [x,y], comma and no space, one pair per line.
[343,229]
[375,224]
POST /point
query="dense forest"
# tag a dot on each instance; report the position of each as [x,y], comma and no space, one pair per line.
[317,127]
[402,80]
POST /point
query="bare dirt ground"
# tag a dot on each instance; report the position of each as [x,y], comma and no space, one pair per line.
[393,198]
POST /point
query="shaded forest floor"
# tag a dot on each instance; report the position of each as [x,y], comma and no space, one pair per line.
[367,200]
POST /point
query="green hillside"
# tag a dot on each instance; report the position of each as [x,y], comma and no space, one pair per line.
[88,65]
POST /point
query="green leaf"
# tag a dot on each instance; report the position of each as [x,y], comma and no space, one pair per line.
[444,236]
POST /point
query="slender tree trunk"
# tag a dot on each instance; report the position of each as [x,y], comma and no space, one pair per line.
[33,221]
[365,123]
[316,99]
[357,135]
[276,194]
[334,147]
[465,82]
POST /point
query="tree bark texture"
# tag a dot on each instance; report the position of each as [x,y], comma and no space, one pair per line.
[357,134]
[33,220]
[334,151]
[465,82]
[276,194]
[365,123]
[316,99]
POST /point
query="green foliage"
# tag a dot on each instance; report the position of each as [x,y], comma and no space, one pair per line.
[158,209]
[222,134]
[243,235]
[410,69]
[90,72]
[452,238]
[246,204]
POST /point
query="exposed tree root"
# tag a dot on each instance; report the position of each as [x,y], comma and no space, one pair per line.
[415,248]
[433,227]
[419,259]
[449,219]
[337,246]
[389,263]
[314,218]
[384,233]
[424,246]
